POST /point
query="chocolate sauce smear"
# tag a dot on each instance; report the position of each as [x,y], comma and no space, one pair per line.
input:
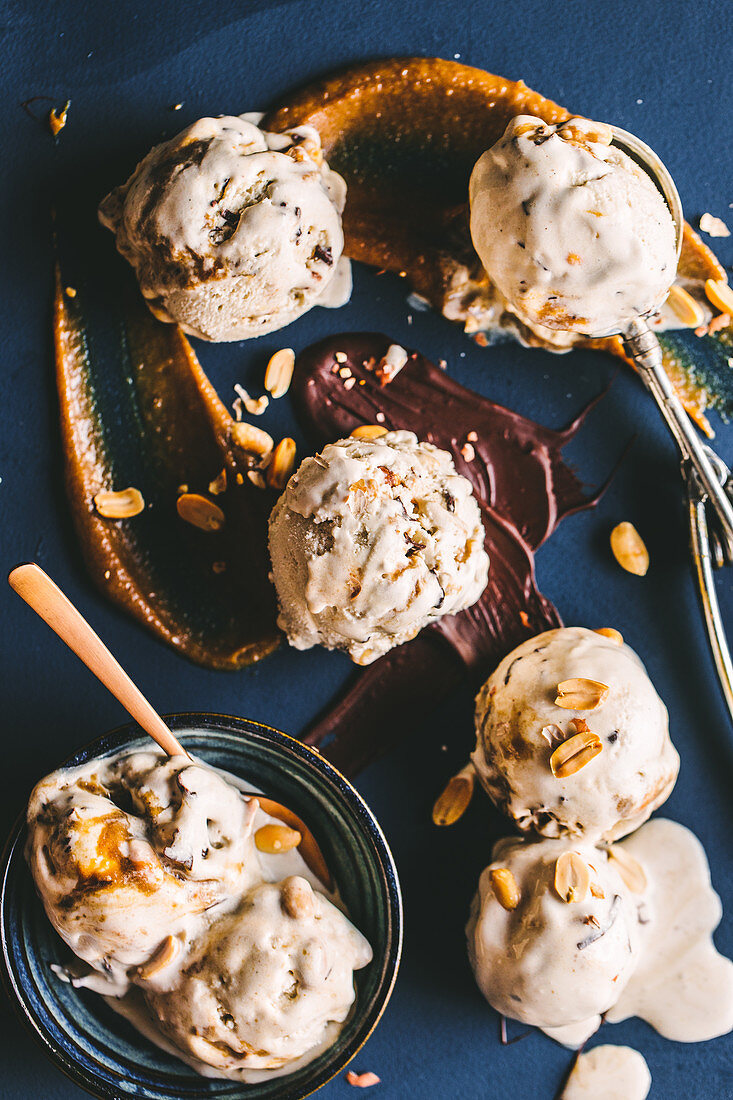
[523,487]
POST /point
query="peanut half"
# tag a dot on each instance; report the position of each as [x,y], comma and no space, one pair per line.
[455,799]
[123,504]
[200,512]
[610,632]
[629,550]
[505,887]
[296,897]
[162,957]
[368,431]
[572,877]
[279,372]
[575,753]
[282,463]
[631,872]
[274,839]
[685,308]
[720,294]
[580,694]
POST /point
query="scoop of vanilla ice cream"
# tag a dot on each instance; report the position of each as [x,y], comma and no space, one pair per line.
[232,231]
[573,233]
[551,962]
[371,541]
[519,726]
[267,984]
[127,851]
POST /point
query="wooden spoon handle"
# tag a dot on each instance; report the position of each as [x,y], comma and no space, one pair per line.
[48,601]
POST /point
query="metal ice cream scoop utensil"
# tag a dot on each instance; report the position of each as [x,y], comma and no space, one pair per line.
[707,478]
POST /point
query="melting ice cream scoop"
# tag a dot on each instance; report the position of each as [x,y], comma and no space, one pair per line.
[572,737]
[232,231]
[128,850]
[558,947]
[580,226]
[268,984]
[573,232]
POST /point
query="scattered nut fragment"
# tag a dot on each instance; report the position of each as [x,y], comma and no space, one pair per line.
[391,363]
[572,877]
[362,1080]
[252,439]
[505,887]
[468,451]
[587,131]
[721,321]
[218,485]
[341,357]
[596,890]
[629,550]
[274,839]
[714,227]
[720,294]
[527,128]
[122,504]
[580,694]
[200,512]
[630,870]
[281,466]
[368,431]
[161,958]
[70,292]
[279,372]
[610,632]
[455,799]
[552,734]
[575,753]
[296,898]
[685,308]
[57,118]
[257,478]
[577,725]
[255,406]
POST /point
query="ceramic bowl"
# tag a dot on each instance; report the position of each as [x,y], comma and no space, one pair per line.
[94,1046]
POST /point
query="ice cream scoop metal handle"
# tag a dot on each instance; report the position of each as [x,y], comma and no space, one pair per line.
[47,600]
[641,345]
[703,561]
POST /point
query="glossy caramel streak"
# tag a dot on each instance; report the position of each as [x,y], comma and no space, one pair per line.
[152,420]
[405,133]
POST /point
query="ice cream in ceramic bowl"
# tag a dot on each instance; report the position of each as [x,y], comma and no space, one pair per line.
[250,972]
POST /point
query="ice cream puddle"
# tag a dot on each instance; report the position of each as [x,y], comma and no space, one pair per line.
[595,913]
[660,965]
[682,986]
[609,1073]
[191,910]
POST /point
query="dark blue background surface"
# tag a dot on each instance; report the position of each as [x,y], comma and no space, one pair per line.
[659,70]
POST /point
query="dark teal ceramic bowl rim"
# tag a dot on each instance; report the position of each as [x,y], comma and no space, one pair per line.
[387,958]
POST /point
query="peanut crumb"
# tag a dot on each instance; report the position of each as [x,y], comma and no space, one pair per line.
[362,1080]
[57,118]
[714,227]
